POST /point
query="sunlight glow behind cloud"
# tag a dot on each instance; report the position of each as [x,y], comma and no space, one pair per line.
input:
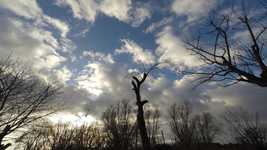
[78,119]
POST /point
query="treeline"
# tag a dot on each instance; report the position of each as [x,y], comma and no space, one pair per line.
[118,130]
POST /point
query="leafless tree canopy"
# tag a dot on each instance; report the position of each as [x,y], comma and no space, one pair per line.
[119,131]
[247,128]
[24,98]
[189,129]
[119,126]
[207,128]
[182,124]
[233,47]
[46,136]
[152,117]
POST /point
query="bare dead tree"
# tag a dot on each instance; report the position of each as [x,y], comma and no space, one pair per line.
[229,58]
[119,126]
[182,124]
[247,127]
[137,84]
[207,128]
[24,98]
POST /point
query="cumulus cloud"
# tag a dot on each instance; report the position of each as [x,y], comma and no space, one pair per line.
[123,10]
[248,96]
[63,74]
[140,55]
[81,9]
[26,34]
[116,8]
[105,83]
[192,9]
[25,8]
[101,82]
[95,77]
[171,50]
[126,11]
[139,15]
[29,9]
[25,41]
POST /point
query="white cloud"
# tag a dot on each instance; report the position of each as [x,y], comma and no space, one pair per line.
[116,8]
[26,8]
[81,9]
[63,74]
[193,9]
[75,120]
[171,50]
[93,79]
[155,25]
[98,76]
[123,10]
[97,56]
[26,34]
[140,55]
[29,9]
[249,96]
[58,24]
[29,43]
[139,15]
[101,78]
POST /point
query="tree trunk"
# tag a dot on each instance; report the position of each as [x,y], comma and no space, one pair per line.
[142,127]
[140,114]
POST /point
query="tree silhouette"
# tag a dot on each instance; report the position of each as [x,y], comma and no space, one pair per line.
[119,126]
[152,118]
[228,58]
[207,128]
[24,98]
[247,127]
[47,136]
[182,124]
[137,84]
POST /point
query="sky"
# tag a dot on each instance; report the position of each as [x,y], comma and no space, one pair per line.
[92,47]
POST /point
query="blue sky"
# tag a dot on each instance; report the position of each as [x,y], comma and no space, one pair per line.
[92,46]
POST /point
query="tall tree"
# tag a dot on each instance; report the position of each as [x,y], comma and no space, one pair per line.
[137,84]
